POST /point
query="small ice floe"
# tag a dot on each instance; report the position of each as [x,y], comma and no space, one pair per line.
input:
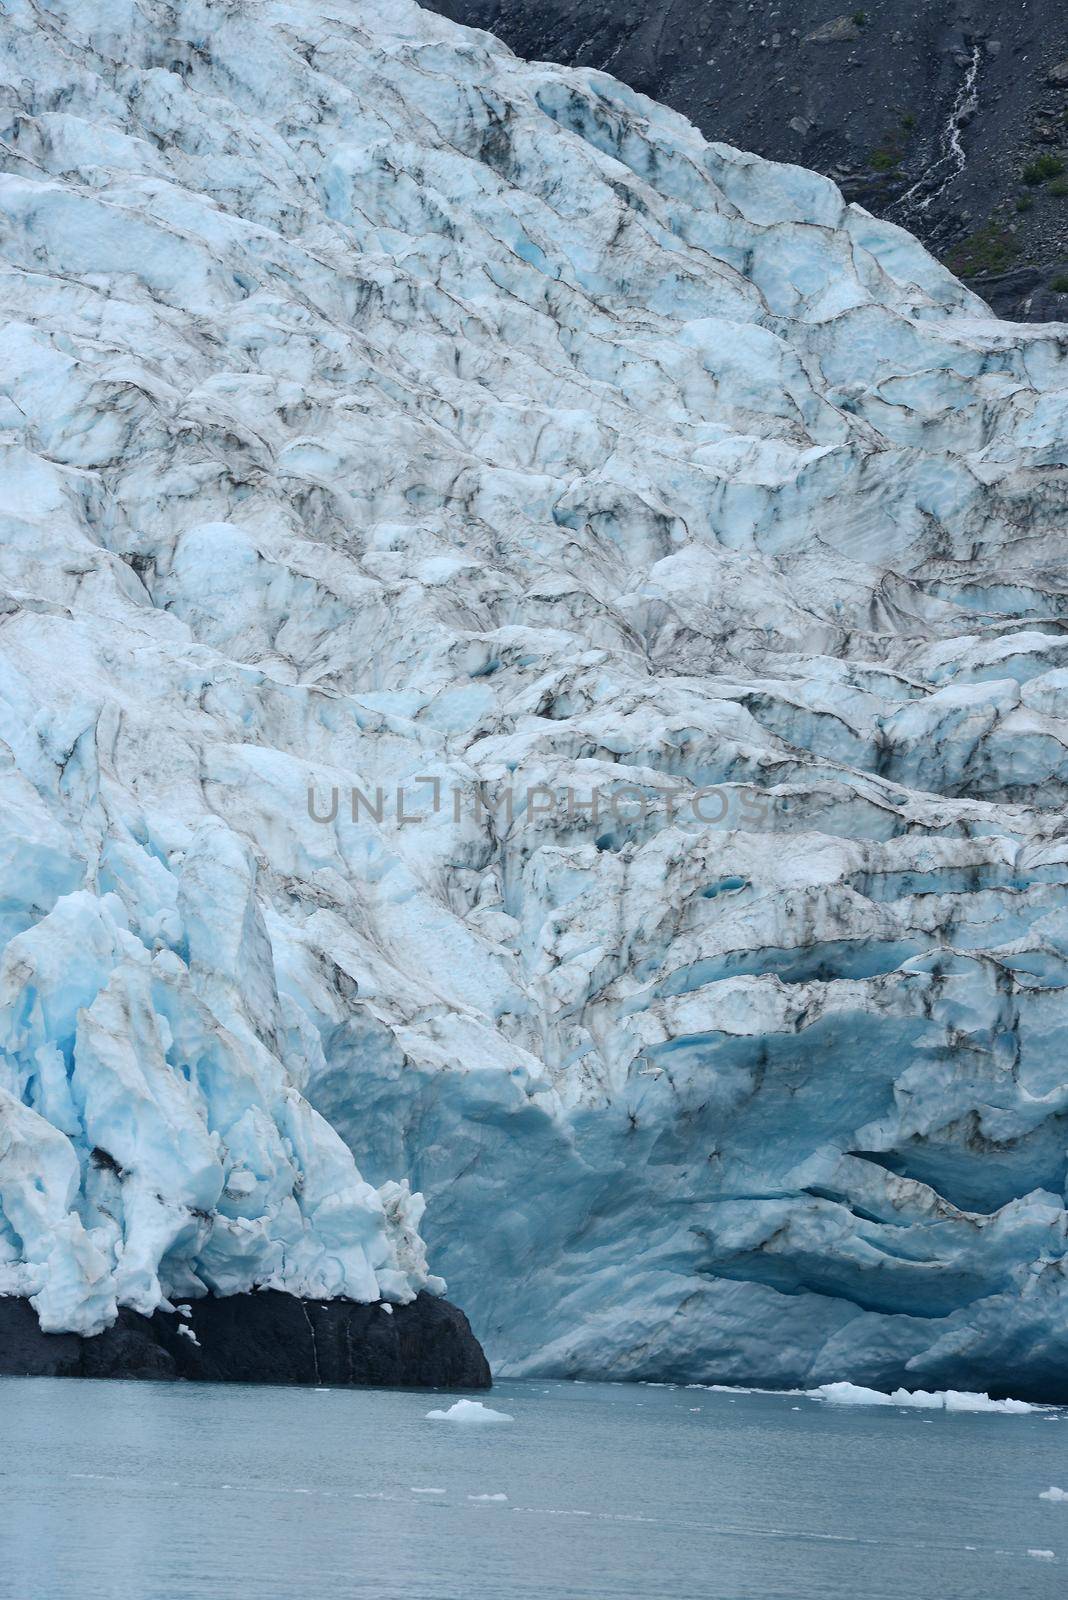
[1041,1555]
[1053,1493]
[739,1388]
[387,1308]
[427,1491]
[487,1497]
[853,1394]
[469,1411]
[958,1400]
[189,1334]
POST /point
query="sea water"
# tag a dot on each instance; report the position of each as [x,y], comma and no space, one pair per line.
[141,1491]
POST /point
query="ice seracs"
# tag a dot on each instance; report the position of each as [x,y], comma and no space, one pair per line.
[383,414]
[152,1145]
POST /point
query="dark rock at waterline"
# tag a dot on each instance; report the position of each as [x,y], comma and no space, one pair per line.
[264,1337]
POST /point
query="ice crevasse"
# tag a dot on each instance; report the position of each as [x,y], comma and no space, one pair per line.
[382,414]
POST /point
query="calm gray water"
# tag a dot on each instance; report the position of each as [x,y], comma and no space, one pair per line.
[131,1491]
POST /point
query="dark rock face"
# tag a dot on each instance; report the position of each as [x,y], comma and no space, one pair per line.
[265,1337]
[933,116]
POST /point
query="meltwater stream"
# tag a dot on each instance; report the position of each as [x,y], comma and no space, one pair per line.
[126,1491]
[951,159]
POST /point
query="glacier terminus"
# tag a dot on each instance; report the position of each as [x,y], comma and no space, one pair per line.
[382,417]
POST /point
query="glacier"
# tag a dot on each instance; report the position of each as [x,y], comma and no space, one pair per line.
[532,670]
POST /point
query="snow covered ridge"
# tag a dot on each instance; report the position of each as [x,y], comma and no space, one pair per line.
[377,407]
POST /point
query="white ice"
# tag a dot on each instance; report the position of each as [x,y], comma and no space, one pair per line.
[378,411]
[851,1394]
[469,1413]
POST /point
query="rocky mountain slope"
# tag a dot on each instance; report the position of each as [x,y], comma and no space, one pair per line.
[544,639]
[950,119]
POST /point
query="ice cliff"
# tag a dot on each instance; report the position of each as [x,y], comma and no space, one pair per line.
[384,417]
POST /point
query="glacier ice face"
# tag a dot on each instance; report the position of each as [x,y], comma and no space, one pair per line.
[385,415]
[152,1145]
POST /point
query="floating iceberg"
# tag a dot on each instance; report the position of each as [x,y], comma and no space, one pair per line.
[542,639]
[852,1394]
[469,1413]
